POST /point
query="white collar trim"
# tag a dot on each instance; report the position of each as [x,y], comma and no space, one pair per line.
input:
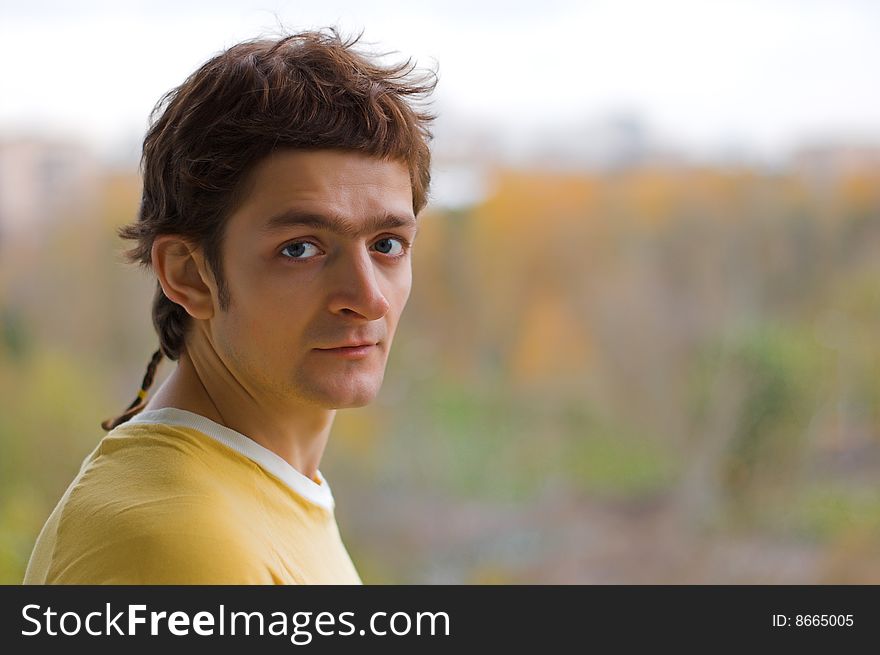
[319,494]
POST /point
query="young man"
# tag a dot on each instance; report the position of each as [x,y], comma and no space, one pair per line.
[282,181]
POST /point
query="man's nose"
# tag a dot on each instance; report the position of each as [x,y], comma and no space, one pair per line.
[357,289]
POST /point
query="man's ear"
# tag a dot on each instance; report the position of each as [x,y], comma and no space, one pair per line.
[184,276]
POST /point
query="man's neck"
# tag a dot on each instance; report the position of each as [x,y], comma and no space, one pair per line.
[297,435]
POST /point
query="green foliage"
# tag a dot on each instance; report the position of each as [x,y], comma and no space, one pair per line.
[611,462]
[500,445]
[22,513]
[783,370]
[15,341]
[825,511]
[49,415]
[480,438]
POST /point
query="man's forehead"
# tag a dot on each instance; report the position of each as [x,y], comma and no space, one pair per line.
[315,169]
[343,190]
[336,223]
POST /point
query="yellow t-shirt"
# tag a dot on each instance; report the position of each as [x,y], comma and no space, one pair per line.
[171,497]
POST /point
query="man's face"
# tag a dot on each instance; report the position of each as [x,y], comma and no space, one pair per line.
[316,257]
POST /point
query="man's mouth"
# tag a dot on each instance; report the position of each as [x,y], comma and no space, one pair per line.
[351,351]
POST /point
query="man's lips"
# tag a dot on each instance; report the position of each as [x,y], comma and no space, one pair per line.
[354,350]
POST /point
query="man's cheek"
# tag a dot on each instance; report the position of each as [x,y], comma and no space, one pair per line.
[402,293]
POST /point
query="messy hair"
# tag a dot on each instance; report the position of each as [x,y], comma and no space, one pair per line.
[309,90]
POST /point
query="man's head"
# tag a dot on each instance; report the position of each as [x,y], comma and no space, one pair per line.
[302,127]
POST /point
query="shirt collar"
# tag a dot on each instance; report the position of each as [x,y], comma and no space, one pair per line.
[271,462]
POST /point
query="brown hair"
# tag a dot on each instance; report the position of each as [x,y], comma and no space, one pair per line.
[309,90]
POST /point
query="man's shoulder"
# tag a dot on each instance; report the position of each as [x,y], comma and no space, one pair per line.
[192,548]
[144,462]
[145,446]
[155,477]
[149,508]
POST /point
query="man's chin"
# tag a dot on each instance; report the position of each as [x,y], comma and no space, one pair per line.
[351,398]
[353,404]
[345,401]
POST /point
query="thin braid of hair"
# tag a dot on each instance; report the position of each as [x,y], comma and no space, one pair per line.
[140,402]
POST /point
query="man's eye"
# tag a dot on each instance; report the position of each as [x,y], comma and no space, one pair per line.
[299,249]
[389,246]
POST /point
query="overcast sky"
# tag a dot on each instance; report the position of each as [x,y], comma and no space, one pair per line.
[707,73]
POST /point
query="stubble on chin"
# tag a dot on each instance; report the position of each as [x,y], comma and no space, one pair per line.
[338,389]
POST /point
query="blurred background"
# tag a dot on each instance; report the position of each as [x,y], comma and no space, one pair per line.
[643,344]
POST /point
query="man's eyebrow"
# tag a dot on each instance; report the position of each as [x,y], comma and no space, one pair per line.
[335,224]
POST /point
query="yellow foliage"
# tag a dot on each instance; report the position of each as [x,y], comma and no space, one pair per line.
[654,197]
[492,574]
[358,433]
[533,199]
[120,198]
[550,343]
[861,192]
